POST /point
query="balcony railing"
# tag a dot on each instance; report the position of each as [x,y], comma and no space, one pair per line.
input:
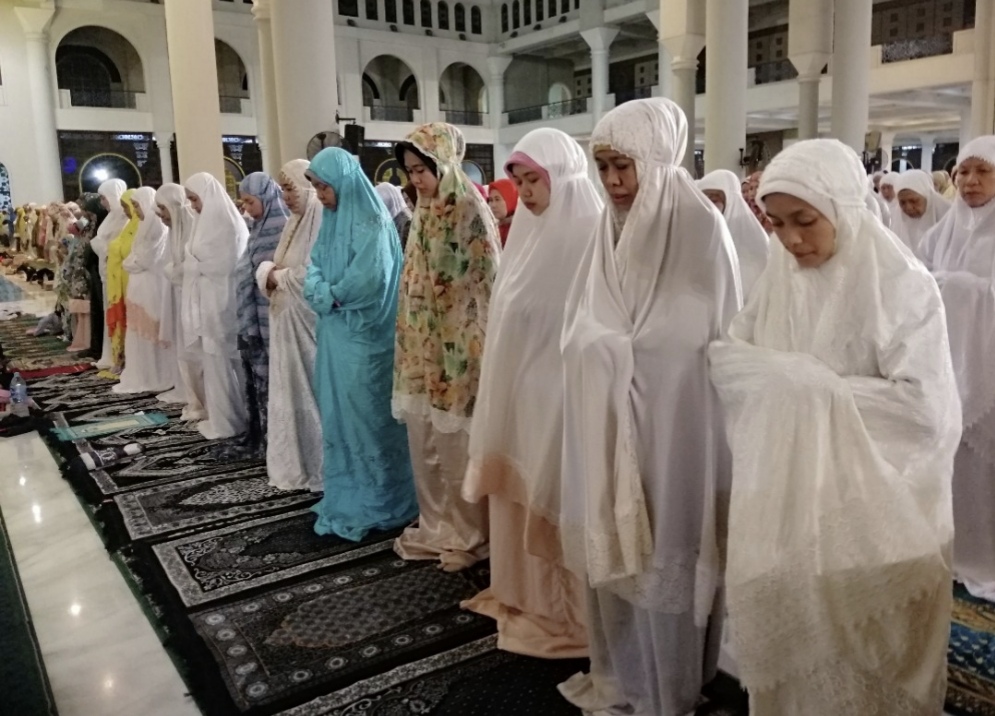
[525,114]
[918,47]
[568,108]
[776,71]
[380,113]
[101,97]
[635,93]
[465,117]
[555,110]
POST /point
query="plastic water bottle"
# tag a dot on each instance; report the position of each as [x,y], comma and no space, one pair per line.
[19,396]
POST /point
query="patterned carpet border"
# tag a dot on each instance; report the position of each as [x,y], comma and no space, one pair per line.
[32,353]
[971,656]
[183,560]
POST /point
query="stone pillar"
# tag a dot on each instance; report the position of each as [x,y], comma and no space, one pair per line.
[810,45]
[665,74]
[304,67]
[165,157]
[887,150]
[683,36]
[600,41]
[965,134]
[497,64]
[928,147]
[726,29]
[851,71]
[270,139]
[48,179]
[982,96]
[193,75]
[428,88]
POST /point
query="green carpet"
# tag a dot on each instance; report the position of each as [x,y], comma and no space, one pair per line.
[24,688]
[27,353]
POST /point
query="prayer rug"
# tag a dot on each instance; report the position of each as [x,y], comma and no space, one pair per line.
[23,681]
[56,370]
[971,656]
[109,426]
[362,618]
[214,565]
[474,678]
[164,509]
[33,352]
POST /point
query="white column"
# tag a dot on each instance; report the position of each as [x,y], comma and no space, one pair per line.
[887,150]
[810,45]
[428,88]
[495,88]
[665,76]
[48,179]
[981,90]
[966,133]
[726,28]
[270,139]
[304,64]
[165,158]
[682,32]
[851,71]
[928,147]
[599,40]
[193,75]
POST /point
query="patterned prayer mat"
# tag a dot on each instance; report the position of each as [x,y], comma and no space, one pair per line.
[214,565]
[362,618]
[109,426]
[33,352]
[457,682]
[164,509]
[971,656]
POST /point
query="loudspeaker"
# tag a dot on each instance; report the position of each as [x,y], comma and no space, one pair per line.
[354,136]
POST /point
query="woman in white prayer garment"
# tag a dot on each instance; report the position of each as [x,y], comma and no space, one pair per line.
[960,251]
[724,190]
[645,463]
[110,192]
[209,321]
[150,362]
[887,191]
[920,207]
[843,418]
[294,450]
[176,213]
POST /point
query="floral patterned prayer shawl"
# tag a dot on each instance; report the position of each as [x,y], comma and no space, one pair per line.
[449,266]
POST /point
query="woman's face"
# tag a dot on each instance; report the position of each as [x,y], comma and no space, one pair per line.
[913,204]
[717,197]
[252,206]
[802,229]
[976,182]
[139,212]
[290,196]
[533,191]
[498,205]
[618,176]
[888,192]
[326,194]
[420,175]
[195,201]
[127,209]
[163,213]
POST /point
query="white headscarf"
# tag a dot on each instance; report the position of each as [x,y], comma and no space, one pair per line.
[894,210]
[752,242]
[912,230]
[640,415]
[113,224]
[293,253]
[150,237]
[518,417]
[843,419]
[393,198]
[182,218]
[960,251]
[219,238]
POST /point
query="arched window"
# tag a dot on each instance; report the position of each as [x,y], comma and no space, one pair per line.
[552,8]
[349,8]
[540,10]
[408,8]
[564,7]
[371,10]
[390,10]
[476,26]
[443,15]
[516,15]
[504,18]
[426,13]
[527,12]
[460,16]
